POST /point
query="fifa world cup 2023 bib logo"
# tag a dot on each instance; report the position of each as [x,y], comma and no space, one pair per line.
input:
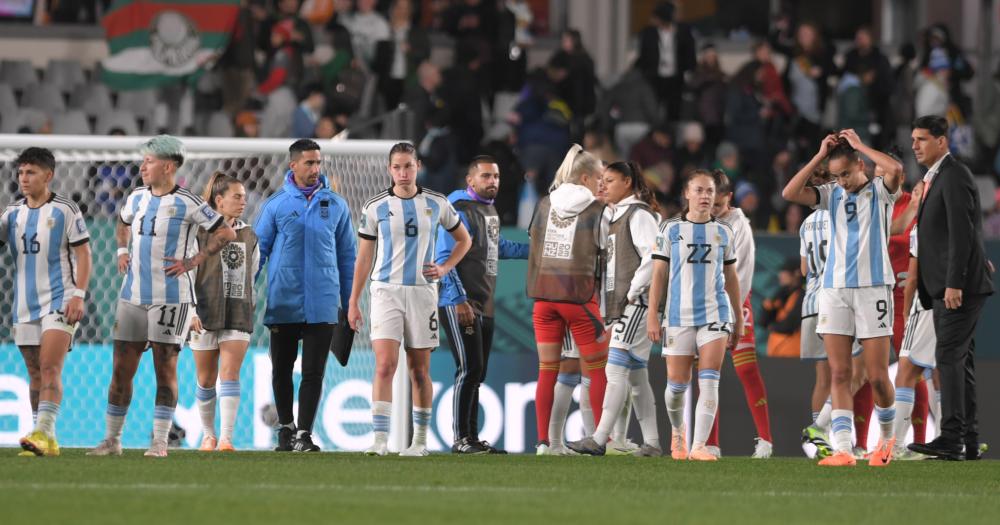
[173,39]
[234,268]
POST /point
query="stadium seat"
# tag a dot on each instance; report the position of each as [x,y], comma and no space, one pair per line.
[64,74]
[140,102]
[45,97]
[33,119]
[72,122]
[118,118]
[93,99]
[8,102]
[276,121]
[18,73]
[219,125]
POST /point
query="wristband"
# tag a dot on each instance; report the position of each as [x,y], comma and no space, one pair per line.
[122,251]
[82,294]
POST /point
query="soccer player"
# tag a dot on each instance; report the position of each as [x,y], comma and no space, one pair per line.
[157,250]
[567,380]
[856,298]
[466,303]
[397,232]
[567,239]
[633,216]
[49,244]
[307,242]
[223,322]
[745,354]
[695,252]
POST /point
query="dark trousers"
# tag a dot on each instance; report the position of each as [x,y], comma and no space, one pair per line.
[669,92]
[470,346]
[955,354]
[284,349]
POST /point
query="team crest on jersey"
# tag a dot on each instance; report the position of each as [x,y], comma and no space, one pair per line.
[51,222]
[428,212]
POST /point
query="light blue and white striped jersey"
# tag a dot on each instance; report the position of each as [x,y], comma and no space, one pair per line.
[858,255]
[696,289]
[40,241]
[163,227]
[814,238]
[405,231]
[917,307]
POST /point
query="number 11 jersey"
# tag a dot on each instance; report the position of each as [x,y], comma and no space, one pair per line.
[696,286]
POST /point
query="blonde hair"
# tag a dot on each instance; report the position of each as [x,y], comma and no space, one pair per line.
[575,164]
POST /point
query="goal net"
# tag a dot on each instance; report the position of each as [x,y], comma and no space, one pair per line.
[97,173]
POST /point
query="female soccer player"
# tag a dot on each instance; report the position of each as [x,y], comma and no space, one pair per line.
[398,231]
[697,251]
[856,299]
[633,216]
[221,327]
[566,244]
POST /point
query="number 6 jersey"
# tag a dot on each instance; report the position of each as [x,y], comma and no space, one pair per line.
[696,287]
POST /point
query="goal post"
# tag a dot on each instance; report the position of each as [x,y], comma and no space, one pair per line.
[97,173]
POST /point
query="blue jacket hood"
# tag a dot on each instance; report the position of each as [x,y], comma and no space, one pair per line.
[324,183]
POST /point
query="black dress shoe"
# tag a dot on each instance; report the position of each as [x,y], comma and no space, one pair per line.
[940,449]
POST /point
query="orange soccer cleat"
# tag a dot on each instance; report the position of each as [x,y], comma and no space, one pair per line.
[840,459]
[882,454]
[207,444]
[678,444]
[702,454]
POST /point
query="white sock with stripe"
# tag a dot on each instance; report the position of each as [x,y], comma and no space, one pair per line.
[162,417]
[614,396]
[673,399]
[229,404]
[645,405]
[47,413]
[421,419]
[708,404]
[381,412]
[842,429]
[886,421]
[563,396]
[114,421]
[206,408]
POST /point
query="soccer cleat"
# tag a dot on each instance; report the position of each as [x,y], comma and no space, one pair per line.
[53,449]
[490,448]
[882,454]
[379,448]
[905,454]
[817,437]
[648,451]
[702,454]
[621,448]
[415,451]
[560,449]
[860,453]
[208,444]
[108,447]
[587,446]
[226,445]
[304,443]
[465,446]
[286,439]
[763,449]
[678,444]
[36,442]
[542,449]
[26,454]
[839,459]
[157,449]
[714,450]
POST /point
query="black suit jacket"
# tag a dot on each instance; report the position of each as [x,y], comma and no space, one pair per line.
[649,51]
[950,236]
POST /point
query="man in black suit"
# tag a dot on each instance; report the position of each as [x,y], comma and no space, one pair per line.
[665,71]
[955,278]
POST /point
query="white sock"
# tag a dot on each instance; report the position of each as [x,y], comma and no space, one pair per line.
[586,411]
[645,405]
[162,417]
[886,420]
[421,419]
[34,417]
[229,404]
[842,429]
[825,417]
[619,433]
[114,420]
[206,408]
[614,399]
[708,404]
[673,399]
[565,384]
[381,412]
[904,410]
[47,413]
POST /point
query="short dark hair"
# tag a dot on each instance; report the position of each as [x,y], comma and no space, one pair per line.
[937,126]
[301,145]
[40,157]
[843,149]
[482,159]
[402,147]
[664,11]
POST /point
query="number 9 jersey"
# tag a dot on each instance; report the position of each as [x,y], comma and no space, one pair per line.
[696,287]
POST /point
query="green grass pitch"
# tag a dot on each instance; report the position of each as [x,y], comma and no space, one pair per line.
[267,487]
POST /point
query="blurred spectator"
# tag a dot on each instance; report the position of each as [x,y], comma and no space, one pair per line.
[991,224]
[473,25]
[237,62]
[579,88]
[853,111]
[543,124]
[500,142]
[664,181]
[931,84]
[782,171]
[296,41]
[745,115]
[792,220]
[438,163]
[809,66]
[280,63]
[875,74]
[629,108]
[513,41]
[397,58]
[772,89]
[247,125]
[709,85]
[904,89]
[367,27]
[727,159]
[937,40]
[692,150]
[462,94]
[340,35]
[596,142]
[307,114]
[656,148]
[666,53]
[782,313]
[326,128]
[986,119]
[747,198]
[421,97]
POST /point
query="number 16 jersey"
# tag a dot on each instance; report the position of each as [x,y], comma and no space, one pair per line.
[696,286]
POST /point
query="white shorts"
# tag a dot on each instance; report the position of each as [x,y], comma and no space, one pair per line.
[210,339]
[862,313]
[686,340]
[812,348]
[153,323]
[920,339]
[569,348]
[30,333]
[629,332]
[407,314]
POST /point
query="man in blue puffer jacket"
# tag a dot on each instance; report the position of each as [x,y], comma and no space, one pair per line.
[307,242]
